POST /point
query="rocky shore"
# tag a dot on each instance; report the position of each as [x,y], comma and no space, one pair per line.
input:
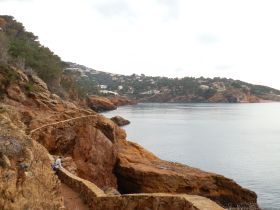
[36,124]
[108,103]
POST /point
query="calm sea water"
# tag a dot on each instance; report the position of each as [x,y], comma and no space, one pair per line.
[240,141]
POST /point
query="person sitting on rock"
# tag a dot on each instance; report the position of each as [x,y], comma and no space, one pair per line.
[57,164]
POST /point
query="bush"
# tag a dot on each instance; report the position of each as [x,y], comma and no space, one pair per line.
[24,46]
[30,87]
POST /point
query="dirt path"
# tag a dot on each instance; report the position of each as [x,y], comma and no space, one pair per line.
[72,200]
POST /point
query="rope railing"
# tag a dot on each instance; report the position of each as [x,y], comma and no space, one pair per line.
[60,122]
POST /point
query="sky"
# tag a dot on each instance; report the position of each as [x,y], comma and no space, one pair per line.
[237,39]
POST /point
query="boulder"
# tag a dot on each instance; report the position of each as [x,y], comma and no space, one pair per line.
[121,100]
[139,171]
[100,104]
[120,121]
[14,92]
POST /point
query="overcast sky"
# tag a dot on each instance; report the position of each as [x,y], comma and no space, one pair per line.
[239,39]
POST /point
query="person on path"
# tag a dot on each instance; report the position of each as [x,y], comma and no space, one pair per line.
[57,164]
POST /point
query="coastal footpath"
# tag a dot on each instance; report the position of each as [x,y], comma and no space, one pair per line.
[46,111]
[38,123]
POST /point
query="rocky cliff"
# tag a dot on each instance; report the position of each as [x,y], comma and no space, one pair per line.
[36,122]
[108,103]
[27,181]
[140,171]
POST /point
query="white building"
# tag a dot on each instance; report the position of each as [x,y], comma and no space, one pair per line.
[149,92]
[108,92]
[103,86]
[204,87]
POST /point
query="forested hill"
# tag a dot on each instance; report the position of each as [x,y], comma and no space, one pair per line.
[21,49]
[163,89]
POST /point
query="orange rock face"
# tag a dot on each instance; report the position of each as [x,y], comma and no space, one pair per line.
[121,100]
[90,143]
[96,150]
[99,104]
[120,121]
[26,179]
[139,171]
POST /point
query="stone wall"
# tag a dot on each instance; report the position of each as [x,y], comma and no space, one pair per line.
[96,199]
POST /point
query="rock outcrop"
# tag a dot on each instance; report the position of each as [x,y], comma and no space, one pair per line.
[139,171]
[96,199]
[120,121]
[121,100]
[26,179]
[102,103]
[89,141]
[94,149]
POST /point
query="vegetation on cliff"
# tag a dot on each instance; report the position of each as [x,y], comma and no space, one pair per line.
[22,48]
[163,89]
[35,123]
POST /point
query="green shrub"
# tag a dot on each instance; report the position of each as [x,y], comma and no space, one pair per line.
[25,46]
[30,87]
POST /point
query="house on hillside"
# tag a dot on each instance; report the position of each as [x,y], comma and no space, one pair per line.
[204,87]
[109,92]
[103,87]
[150,92]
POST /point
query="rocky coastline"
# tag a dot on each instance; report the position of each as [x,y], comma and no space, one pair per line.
[36,124]
[108,103]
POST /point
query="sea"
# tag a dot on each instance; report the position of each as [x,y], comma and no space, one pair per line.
[239,141]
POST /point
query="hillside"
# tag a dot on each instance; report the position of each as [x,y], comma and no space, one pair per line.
[22,49]
[162,89]
[98,162]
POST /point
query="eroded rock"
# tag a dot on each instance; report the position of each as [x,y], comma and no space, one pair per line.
[139,171]
[14,92]
[100,104]
[90,143]
[120,121]
[26,179]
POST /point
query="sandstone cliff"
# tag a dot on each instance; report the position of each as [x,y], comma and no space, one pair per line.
[94,148]
[27,181]
[140,171]
[102,103]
